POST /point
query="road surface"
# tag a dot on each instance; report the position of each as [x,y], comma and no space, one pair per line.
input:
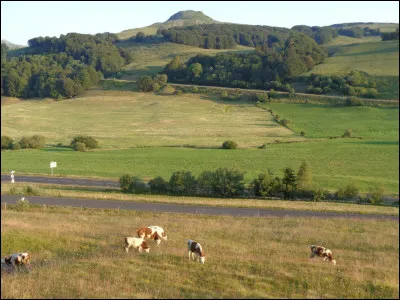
[192,209]
[61,180]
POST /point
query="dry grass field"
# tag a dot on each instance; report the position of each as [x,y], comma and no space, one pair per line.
[121,120]
[79,254]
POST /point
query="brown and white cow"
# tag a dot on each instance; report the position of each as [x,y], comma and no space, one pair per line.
[322,252]
[137,243]
[16,262]
[152,232]
[195,248]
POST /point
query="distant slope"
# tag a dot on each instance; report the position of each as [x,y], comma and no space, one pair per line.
[11,45]
[181,18]
[384,27]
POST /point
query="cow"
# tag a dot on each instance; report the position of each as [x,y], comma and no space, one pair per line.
[16,262]
[137,243]
[195,248]
[152,232]
[322,252]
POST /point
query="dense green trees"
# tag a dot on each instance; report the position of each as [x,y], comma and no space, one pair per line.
[264,69]
[61,67]
[389,36]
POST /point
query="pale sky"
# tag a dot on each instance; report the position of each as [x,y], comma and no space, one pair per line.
[23,20]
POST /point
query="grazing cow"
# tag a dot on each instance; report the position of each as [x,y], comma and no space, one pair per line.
[152,232]
[16,262]
[137,243]
[322,252]
[195,248]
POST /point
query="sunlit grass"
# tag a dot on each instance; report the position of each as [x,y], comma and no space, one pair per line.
[79,254]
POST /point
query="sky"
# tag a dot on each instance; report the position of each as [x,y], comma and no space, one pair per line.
[24,20]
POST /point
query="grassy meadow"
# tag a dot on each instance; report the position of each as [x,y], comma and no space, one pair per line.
[152,135]
[379,59]
[149,59]
[82,256]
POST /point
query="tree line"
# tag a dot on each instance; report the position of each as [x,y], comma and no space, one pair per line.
[255,70]
[60,67]
[228,183]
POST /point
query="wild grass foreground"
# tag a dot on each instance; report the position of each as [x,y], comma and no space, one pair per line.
[79,254]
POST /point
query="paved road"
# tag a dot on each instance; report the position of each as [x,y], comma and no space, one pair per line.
[193,209]
[60,180]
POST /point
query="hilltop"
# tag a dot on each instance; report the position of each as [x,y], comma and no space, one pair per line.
[11,45]
[181,18]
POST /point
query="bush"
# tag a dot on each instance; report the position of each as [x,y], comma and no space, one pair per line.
[224,95]
[34,142]
[167,90]
[16,146]
[302,133]
[271,93]
[285,122]
[89,141]
[145,83]
[347,133]
[348,192]
[158,185]
[6,142]
[229,145]
[138,186]
[319,194]
[125,182]
[78,146]
[31,190]
[22,203]
[353,101]
[376,197]
[182,183]
[37,141]
[228,183]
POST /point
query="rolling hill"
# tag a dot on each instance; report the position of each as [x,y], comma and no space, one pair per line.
[11,45]
[181,18]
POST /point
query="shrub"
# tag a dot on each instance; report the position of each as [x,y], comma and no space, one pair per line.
[377,194]
[348,192]
[285,122]
[205,183]
[138,186]
[302,133]
[16,146]
[271,93]
[22,203]
[145,83]
[228,183]
[224,95]
[37,141]
[31,190]
[353,101]
[6,142]
[167,90]
[347,133]
[319,194]
[229,145]
[178,92]
[89,141]
[125,182]
[78,146]
[182,183]
[158,185]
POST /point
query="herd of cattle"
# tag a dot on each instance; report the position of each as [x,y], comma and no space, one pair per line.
[18,261]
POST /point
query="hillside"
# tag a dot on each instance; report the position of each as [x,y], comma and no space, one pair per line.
[181,18]
[11,45]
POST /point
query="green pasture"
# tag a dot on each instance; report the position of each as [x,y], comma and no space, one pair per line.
[379,59]
[333,162]
[325,120]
